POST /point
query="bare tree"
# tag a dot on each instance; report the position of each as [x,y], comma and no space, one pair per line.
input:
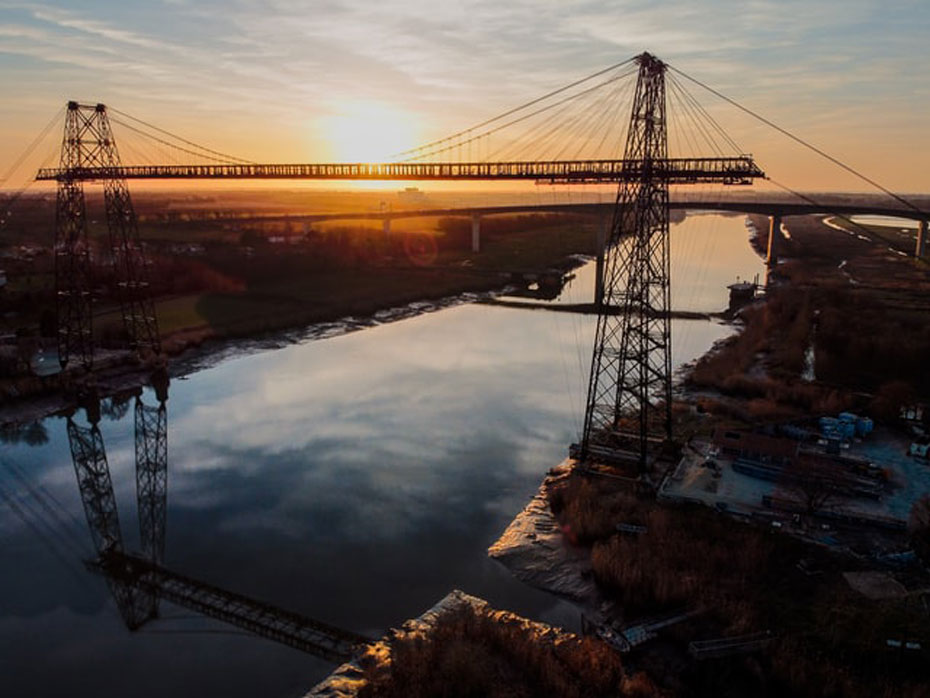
[817,483]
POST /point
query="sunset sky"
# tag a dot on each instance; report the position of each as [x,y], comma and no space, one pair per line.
[300,80]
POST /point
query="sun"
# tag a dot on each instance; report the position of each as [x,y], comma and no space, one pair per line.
[368,132]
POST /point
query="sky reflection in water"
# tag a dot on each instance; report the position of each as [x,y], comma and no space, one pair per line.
[356,479]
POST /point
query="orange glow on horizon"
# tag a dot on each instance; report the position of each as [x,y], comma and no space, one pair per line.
[364,131]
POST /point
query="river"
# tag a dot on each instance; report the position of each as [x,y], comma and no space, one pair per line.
[356,479]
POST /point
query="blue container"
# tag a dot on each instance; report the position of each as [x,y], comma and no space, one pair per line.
[864,426]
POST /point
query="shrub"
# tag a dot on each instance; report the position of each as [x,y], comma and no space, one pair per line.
[482,653]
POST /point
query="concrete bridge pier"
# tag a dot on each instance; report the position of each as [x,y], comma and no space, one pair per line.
[921,249]
[771,256]
[600,244]
[476,233]
[386,226]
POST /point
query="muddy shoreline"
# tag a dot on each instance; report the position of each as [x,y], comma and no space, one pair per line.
[534,550]
[119,373]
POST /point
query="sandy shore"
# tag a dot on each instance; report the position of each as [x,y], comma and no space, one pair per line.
[534,550]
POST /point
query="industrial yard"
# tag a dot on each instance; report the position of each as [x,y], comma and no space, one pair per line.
[872,482]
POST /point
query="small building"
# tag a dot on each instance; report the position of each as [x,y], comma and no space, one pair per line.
[411,195]
[920,448]
[759,448]
[912,413]
[741,293]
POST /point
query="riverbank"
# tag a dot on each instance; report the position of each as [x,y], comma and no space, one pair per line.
[827,637]
[536,551]
[119,371]
[843,327]
[462,646]
[286,295]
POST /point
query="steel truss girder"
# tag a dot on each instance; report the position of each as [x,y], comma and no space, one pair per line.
[727,170]
[286,627]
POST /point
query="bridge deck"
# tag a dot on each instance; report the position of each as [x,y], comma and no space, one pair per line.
[737,170]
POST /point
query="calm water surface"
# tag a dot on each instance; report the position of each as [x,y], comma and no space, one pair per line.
[356,479]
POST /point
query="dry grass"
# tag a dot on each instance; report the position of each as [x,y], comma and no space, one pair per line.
[867,319]
[488,654]
[830,640]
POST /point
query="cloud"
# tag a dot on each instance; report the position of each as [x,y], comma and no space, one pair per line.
[67,20]
[216,69]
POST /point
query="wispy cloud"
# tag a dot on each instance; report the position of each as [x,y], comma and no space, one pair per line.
[287,62]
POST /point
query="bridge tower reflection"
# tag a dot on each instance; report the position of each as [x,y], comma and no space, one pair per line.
[136,605]
[138,581]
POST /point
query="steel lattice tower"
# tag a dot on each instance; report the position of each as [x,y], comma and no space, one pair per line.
[72,255]
[629,390]
[89,144]
[151,437]
[93,475]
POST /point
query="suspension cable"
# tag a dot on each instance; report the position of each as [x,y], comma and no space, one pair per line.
[802,142]
[707,116]
[226,157]
[32,146]
[518,119]
[167,143]
[509,112]
[866,231]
